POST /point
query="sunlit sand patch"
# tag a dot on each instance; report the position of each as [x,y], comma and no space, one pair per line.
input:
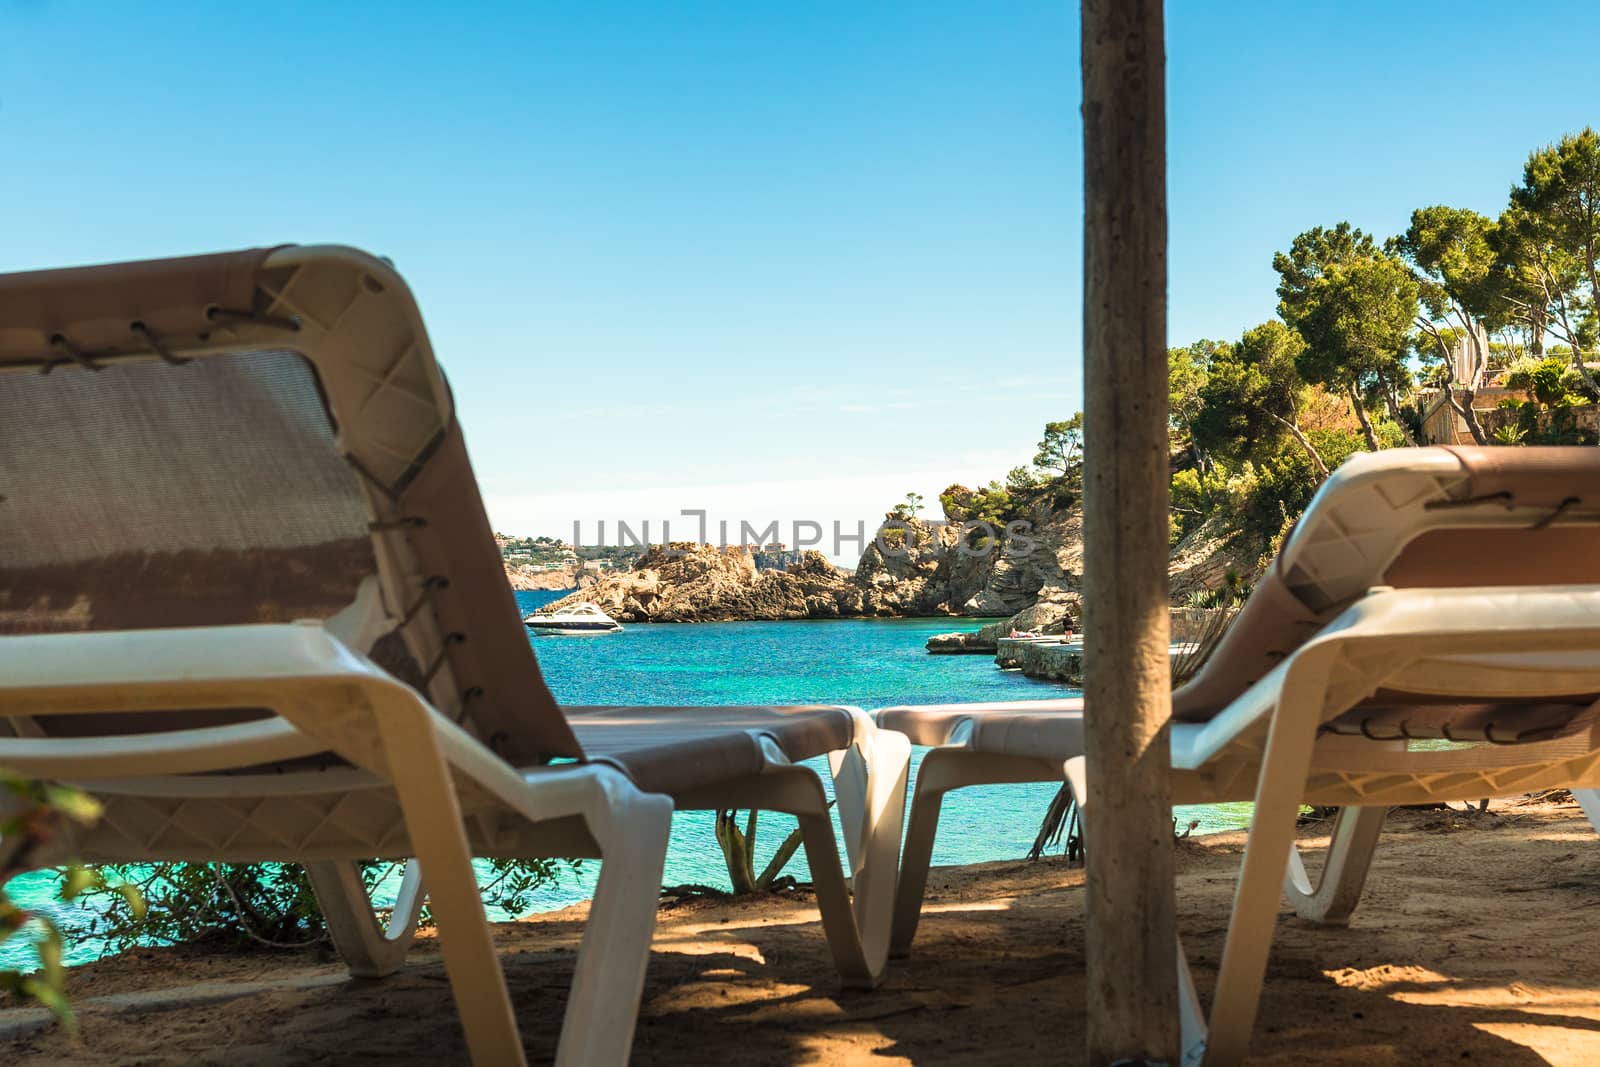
[1385,975]
[688,945]
[723,927]
[1557,1044]
[776,999]
[1001,904]
[1446,990]
[821,1050]
[1519,995]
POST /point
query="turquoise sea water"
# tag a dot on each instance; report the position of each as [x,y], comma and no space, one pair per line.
[866,663]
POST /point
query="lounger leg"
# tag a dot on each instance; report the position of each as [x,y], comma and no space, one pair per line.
[871,794]
[1589,801]
[1344,872]
[1191,1016]
[938,774]
[942,770]
[433,819]
[833,901]
[632,829]
[367,948]
[852,774]
[1284,766]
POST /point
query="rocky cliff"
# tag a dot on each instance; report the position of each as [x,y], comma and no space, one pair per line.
[1032,582]
[684,582]
[928,569]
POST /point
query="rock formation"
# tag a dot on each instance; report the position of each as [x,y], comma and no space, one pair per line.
[684,582]
[1032,581]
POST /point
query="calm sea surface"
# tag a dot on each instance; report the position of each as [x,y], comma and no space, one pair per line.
[866,663]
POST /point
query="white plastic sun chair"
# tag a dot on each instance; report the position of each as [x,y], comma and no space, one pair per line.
[1427,594]
[202,453]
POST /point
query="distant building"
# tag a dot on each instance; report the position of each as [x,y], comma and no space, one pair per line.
[1443,425]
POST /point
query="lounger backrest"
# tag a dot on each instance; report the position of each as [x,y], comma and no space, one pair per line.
[244,438]
[1434,517]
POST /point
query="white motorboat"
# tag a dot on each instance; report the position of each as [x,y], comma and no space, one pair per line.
[580,620]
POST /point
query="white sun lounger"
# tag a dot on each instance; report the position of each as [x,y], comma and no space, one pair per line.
[1483,628]
[199,454]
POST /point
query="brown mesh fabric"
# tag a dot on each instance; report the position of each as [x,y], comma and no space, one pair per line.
[492,661]
[150,496]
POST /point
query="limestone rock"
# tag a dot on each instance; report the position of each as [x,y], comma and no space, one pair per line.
[684,582]
[1032,581]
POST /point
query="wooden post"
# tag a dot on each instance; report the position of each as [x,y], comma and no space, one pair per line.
[1133,988]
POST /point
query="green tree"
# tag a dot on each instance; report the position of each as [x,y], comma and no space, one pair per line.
[1188,367]
[1551,241]
[1453,251]
[1252,397]
[1355,305]
[1058,449]
[907,508]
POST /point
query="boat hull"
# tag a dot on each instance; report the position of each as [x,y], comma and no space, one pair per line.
[579,629]
[582,620]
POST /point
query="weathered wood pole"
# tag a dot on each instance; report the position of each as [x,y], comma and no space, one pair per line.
[1133,989]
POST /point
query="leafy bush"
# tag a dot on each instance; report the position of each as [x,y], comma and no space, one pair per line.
[1510,435]
[1543,380]
[995,505]
[1336,446]
[270,904]
[1577,389]
[1281,492]
[1023,480]
[1519,374]
[35,814]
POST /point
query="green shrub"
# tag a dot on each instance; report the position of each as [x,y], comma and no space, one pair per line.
[1519,374]
[1528,417]
[243,904]
[39,811]
[1510,435]
[1545,381]
[1578,389]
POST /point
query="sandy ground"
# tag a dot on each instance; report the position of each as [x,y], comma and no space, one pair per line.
[1474,943]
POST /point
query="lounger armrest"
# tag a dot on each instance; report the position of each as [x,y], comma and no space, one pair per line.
[1546,640]
[173,670]
[299,670]
[951,724]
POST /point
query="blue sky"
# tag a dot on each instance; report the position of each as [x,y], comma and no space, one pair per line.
[772,260]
